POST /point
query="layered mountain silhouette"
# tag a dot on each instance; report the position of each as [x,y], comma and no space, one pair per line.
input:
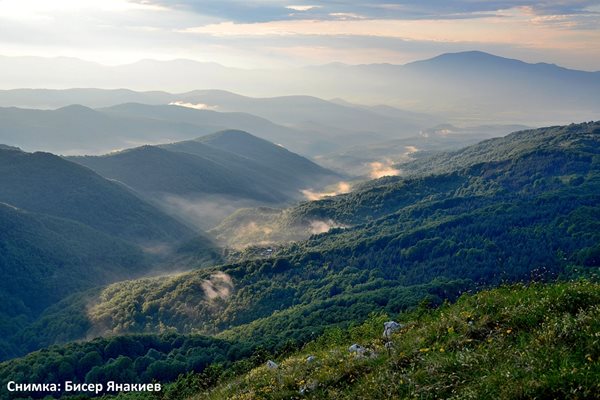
[471,83]
[77,129]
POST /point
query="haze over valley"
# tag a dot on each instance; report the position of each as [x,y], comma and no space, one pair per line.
[334,200]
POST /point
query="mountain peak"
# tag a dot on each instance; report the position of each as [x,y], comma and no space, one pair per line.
[76,108]
[476,56]
[233,134]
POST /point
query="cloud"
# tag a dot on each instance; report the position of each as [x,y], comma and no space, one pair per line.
[346,16]
[196,106]
[267,33]
[275,10]
[489,30]
[302,8]
[46,10]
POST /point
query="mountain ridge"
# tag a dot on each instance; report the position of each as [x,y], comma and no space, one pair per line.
[525,93]
[48,184]
[222,170]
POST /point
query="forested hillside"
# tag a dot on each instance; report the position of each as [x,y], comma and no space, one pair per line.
[533,216]
[525,213]
[519,166]
[48,184]
[203,180]
[44,259]
[66,229]
[228,163]
[519,341]
[553,140]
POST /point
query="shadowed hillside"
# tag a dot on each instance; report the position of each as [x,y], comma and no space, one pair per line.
[45,183]
[205,179]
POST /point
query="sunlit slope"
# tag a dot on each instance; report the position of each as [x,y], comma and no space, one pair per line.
[513,342]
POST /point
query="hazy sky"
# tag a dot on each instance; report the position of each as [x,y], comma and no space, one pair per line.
[265,33]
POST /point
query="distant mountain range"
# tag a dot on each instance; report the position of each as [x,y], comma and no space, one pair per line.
[305,124]
[78,129]
[471,85]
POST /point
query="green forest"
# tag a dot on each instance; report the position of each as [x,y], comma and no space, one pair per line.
[489,256]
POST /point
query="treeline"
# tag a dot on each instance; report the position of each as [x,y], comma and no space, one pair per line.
[128,359]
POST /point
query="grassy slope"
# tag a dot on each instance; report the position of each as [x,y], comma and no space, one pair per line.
[541,341]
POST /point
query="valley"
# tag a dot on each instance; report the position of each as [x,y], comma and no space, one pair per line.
[462,221]
[213,242]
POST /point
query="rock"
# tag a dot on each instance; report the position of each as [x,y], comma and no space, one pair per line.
[358,350]
[390,327]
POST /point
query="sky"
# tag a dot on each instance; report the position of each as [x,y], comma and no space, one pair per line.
[277,33]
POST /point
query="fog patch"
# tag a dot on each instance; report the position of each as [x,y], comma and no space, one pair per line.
[218,286]
[195,106]
[253,228]
[410,150]
[203,212]
[340,188]
[320,226]
[440,131]
[379,169]
[9,206]
[157,249]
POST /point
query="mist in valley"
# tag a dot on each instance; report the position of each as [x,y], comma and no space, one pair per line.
[236,198]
